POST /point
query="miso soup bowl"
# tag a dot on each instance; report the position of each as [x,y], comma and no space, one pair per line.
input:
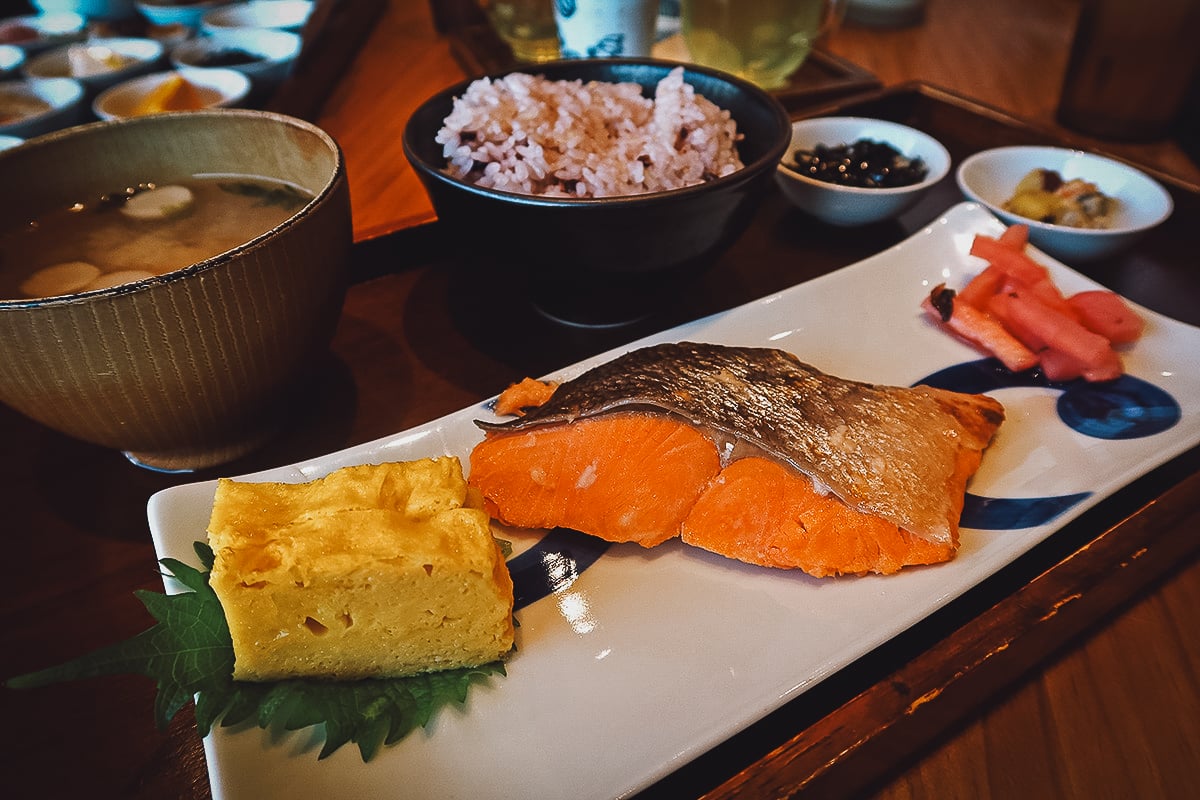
[185,370]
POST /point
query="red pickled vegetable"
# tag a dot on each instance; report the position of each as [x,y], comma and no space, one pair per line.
[979,290]
[977,328]
[1059,366]
[1015,237]
[1105,313]
[1014,311]
[1017,264]
[998,307]
[1059,331]
[1045,292]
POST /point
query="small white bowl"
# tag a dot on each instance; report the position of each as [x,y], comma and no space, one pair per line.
[275,52]
[287,15]
[50,30]
[990,178]
[219,88]
[8,142]
[143,54]
[849,206]
[61,101]
[165,13]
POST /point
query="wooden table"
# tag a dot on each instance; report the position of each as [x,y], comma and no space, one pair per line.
[1113,709]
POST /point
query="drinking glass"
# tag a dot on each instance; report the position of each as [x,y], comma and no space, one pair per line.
[527,26]
[763,41]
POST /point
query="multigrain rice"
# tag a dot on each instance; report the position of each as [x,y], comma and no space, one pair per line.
[524,133]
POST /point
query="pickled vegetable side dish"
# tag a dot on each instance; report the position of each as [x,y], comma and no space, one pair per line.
[1045,196]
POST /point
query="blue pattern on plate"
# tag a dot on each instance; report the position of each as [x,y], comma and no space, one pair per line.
[552,564]
[1125,408]
[1011,513]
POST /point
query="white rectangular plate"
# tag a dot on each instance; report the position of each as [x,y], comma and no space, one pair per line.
[650,657]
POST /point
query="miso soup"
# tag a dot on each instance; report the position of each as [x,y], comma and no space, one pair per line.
[138,232]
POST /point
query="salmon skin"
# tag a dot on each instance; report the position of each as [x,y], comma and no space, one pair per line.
[898,453]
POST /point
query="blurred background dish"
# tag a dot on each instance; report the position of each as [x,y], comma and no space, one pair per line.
[97,63]
[29,108]
[603,261]
[850,205]
[764,41]
[165,12]
[265,56]
[288,15]
[173,90]
[8,142]
[185,369]
[88,9]
[991,178]
[34,33]
[11,59]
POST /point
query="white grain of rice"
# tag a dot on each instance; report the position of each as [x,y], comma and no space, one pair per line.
[524,133]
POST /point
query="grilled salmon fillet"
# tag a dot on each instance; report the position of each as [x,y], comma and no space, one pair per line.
[748,452]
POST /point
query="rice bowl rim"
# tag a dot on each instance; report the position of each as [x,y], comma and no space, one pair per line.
[749,171]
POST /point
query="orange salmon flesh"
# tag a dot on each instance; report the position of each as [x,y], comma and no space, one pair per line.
[630,477]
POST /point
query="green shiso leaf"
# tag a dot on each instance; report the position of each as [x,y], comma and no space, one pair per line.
[189,654]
